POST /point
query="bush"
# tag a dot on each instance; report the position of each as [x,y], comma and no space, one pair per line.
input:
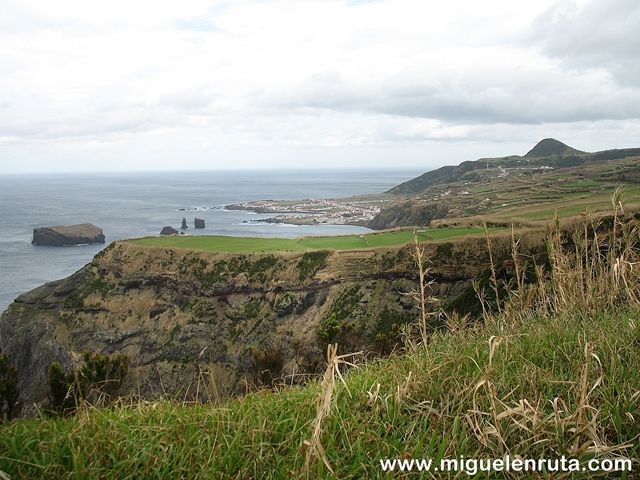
[8,388]
[268,363]
[102,373]
[61,392]
[344,309]
[98,379]
[311,262]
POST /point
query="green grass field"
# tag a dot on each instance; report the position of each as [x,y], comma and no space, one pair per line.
[536,196]
[342,242]
[570,205]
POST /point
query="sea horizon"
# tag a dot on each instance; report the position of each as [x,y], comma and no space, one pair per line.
[375,169]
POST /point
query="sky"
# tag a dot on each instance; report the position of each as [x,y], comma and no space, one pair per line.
[211,84]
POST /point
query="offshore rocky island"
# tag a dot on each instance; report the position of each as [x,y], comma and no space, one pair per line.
[68,235]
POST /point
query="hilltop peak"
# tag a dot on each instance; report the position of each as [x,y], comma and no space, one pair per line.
[551,146]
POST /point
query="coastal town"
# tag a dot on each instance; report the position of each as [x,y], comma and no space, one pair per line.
[315,211]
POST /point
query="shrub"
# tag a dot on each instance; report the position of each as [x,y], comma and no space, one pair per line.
[61,392]
[251,309]
[311,262]
[98,379]
[268,363]
[329,327]
[8,388]
[340,318]
[102,373]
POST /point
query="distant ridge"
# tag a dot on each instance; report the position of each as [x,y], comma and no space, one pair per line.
[548,153]
[551,146]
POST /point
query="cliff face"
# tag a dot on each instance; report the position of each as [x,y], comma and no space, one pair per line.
[241,321]
[408,213]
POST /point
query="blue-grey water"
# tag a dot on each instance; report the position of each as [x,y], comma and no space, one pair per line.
[138,204]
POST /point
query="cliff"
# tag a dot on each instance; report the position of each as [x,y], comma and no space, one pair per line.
[241,320]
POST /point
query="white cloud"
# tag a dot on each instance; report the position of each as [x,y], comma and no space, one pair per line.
[193,84]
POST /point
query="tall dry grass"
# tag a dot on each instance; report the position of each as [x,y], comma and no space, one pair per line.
[593,267]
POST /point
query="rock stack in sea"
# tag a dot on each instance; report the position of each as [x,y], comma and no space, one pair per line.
[184,224]
[168,231]
[68,235]
[199,223]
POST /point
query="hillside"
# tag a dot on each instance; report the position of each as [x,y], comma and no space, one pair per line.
[550,146]
[549,153]
[411,406]
[514,190]
[519,190]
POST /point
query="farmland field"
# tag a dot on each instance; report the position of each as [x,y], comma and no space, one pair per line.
[343,242]
[567,205]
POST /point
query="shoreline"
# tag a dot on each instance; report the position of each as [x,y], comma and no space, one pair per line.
[355,211]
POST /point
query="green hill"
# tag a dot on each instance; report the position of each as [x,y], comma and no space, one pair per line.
[548,153]
[551,146]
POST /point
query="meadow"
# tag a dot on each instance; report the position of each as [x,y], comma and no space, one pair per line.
[537,195]
[219,243]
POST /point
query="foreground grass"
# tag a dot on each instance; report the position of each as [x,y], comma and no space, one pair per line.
[341,242]
[484,392]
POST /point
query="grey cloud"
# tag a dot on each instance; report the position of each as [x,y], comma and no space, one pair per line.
[603,34]
[497,95]
[508,104]
[94,128]
[55,124]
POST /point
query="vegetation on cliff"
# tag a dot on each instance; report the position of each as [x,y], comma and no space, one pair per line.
[97,381]
[409,213]
[8,388]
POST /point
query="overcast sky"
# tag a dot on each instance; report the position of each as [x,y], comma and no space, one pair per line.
[153,84]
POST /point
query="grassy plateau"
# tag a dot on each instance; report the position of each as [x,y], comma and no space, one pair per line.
[343,242]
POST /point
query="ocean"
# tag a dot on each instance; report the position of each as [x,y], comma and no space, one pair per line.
[127,205]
